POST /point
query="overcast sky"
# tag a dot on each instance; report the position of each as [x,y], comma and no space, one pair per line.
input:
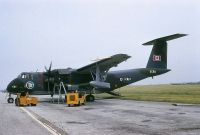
[71,33]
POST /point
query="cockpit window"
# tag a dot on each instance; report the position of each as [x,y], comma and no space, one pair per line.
[23,76]
[26,76]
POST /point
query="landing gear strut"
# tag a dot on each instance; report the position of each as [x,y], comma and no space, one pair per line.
[10,99]
[90,98]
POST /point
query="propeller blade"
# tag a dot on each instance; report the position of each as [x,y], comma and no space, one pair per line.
[45,68]
[48,74]
[50,66]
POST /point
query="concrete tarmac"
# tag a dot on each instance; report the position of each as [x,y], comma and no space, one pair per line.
[102,117]
[14,121]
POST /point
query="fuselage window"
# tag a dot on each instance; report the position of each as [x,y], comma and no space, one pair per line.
[23,76]
[31,76]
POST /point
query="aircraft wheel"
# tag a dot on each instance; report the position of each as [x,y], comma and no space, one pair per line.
[90,98]
[10,100]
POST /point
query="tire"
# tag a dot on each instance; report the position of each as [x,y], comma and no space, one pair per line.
[10,100]
[90,98]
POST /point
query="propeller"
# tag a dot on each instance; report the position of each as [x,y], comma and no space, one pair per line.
[48,73]
[48,70]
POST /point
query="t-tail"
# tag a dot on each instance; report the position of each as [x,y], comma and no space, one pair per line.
[158,56]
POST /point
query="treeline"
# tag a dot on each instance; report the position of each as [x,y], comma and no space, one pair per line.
[187,83]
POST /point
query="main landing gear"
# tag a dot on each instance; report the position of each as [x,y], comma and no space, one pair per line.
[90,98]
[10,99]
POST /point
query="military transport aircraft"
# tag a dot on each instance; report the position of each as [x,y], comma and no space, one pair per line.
[95,77]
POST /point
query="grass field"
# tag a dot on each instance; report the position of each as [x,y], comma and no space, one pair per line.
[162,93]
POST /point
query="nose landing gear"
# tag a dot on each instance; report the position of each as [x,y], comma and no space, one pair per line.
[10,99]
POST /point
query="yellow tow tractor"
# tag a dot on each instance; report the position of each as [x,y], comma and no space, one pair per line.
[75,98]
[25,100]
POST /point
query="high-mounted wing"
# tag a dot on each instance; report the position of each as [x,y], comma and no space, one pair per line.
[104,64]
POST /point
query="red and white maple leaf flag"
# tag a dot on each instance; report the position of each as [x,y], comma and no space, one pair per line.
[156,58]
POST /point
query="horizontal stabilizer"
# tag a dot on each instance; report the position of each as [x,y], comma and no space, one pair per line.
[167,38]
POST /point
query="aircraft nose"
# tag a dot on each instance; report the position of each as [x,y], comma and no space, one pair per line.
[11,86]
[14,86]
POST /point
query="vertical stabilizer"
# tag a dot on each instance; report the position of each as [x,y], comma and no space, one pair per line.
[158,56]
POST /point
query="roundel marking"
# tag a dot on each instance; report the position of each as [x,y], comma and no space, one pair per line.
[29,85]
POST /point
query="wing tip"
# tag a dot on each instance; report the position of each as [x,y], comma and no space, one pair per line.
[123,55]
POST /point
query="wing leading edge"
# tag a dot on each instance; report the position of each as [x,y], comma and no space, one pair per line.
[104,64]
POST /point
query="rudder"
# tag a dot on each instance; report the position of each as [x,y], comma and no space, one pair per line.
[158,56]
